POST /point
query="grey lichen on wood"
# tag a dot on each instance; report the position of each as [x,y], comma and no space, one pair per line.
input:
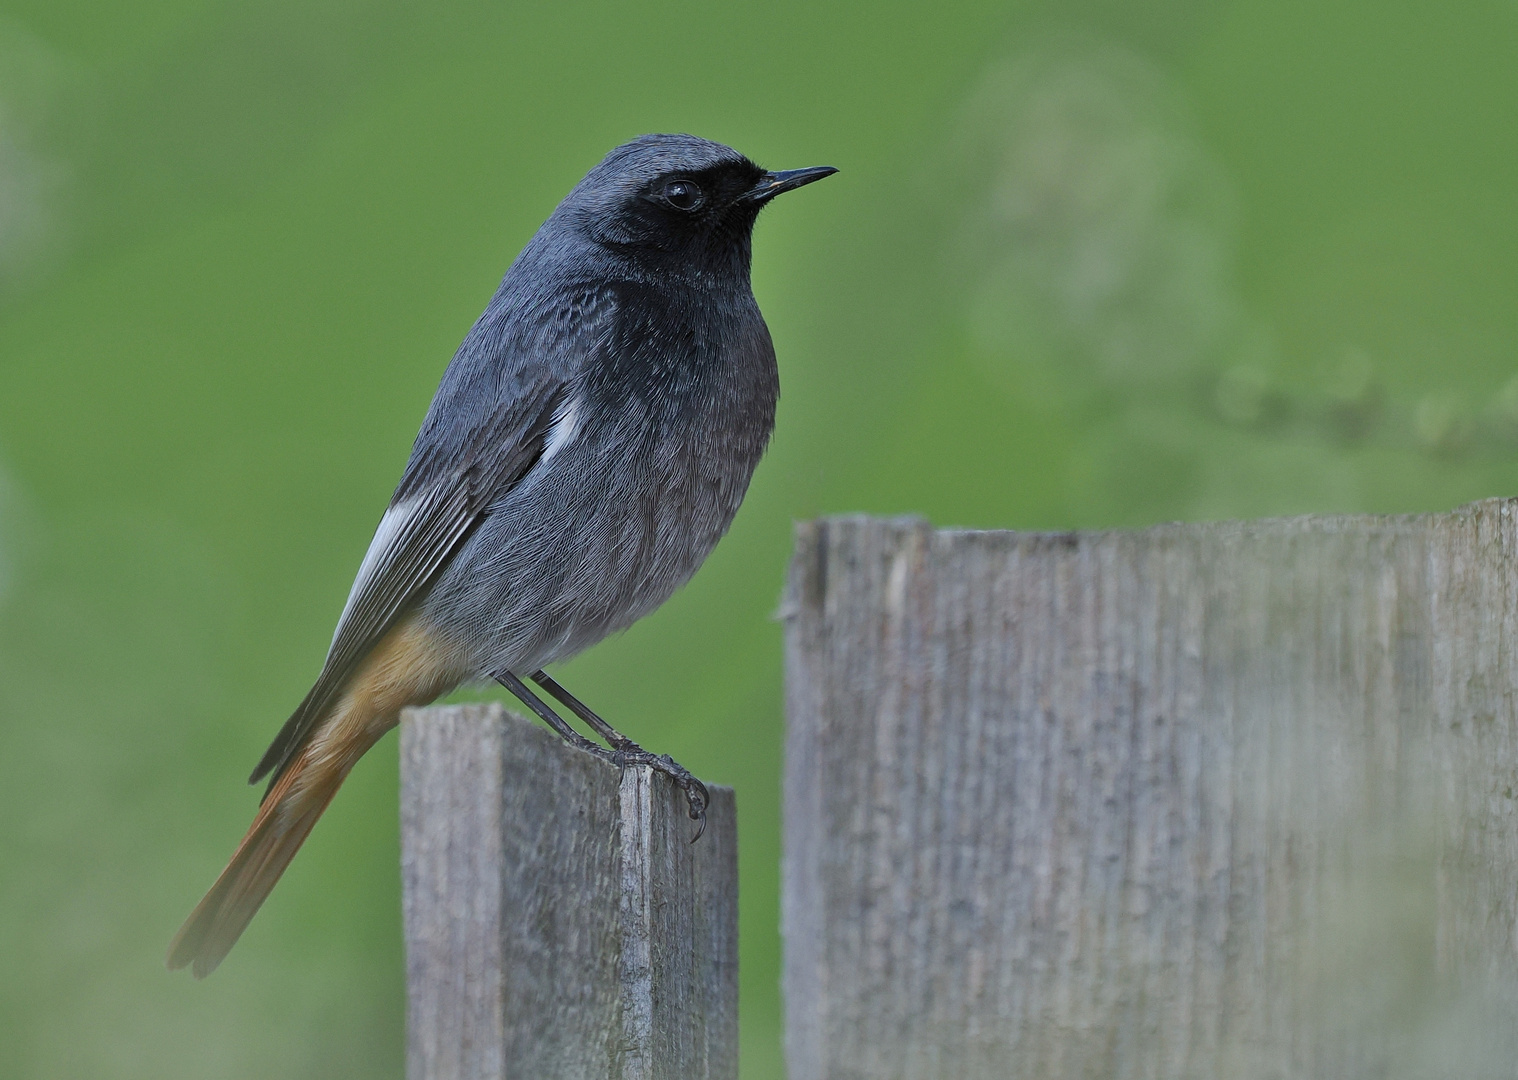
[1224,800]
[558,921]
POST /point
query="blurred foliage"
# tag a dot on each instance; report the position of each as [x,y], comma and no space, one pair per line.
[1088,264]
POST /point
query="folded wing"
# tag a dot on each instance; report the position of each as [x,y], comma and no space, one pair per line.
[436,507]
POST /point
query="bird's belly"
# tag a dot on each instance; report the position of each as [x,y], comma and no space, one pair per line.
[584,550]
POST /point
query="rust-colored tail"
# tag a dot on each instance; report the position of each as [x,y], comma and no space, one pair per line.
[408,667]
[284,821]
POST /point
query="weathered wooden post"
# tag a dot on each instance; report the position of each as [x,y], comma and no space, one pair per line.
[1228,800]
[558,922]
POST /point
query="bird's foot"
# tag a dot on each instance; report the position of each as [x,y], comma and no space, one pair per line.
[623,751]
[626,752]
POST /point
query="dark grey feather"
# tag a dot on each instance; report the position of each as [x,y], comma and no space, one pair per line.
[592,438]
[439,517]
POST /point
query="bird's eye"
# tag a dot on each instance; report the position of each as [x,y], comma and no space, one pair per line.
[683,195]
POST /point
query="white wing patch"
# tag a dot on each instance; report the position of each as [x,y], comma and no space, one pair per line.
[566,425]
[392,526]
[389,527]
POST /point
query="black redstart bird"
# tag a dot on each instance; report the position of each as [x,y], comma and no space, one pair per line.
[588,446]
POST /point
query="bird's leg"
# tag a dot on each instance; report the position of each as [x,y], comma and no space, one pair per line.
[623,752]
[614,738]
[628,752]
[548,716]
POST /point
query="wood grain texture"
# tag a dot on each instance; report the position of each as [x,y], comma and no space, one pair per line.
[558,922]
[1213,800]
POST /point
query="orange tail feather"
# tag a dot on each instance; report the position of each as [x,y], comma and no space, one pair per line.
[409,667]
[284,821]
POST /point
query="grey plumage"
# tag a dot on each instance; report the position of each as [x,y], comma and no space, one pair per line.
[593,436]
[589,444]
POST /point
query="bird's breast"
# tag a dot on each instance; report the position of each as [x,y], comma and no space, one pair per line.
[638,480]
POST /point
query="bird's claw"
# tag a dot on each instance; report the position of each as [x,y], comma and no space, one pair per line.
[696,794]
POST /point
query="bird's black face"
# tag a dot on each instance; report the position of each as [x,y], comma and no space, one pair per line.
[695,219]
[683,206]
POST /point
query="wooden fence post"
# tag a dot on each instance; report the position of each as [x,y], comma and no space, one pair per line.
[558,922]
[1225,800]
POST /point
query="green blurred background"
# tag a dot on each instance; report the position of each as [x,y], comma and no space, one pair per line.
[1087,264]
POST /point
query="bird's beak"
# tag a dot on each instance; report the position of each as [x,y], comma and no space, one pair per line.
[777,183]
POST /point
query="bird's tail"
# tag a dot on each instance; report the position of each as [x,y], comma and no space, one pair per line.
[284,821]
[410,666]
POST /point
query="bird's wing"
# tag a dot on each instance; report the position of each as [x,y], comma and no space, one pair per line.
[488,425]
[440,500]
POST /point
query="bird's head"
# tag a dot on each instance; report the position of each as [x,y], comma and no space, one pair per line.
[678,203]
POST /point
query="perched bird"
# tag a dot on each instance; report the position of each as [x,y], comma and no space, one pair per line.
[588,446]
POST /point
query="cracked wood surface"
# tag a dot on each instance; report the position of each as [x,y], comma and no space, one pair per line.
[558,922]
[1216,800]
